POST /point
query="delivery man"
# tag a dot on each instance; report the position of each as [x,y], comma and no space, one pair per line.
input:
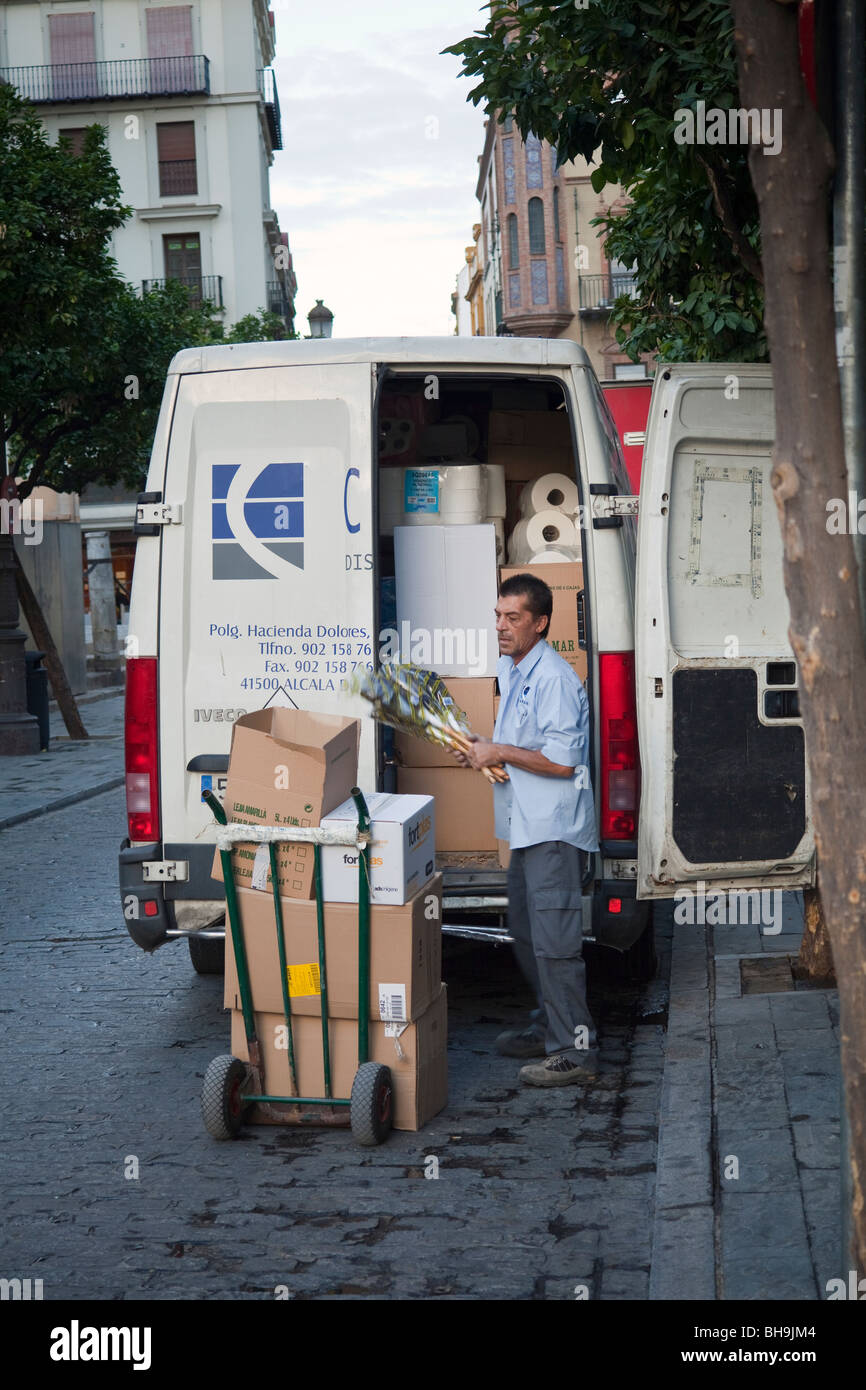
[545,810]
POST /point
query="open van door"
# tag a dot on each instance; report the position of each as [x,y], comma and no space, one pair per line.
[266,575]
[724,792]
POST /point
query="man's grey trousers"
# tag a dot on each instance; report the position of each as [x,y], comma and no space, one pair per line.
[545,921]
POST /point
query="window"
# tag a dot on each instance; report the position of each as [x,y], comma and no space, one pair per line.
[169,46]
[75,136]
[176,152]
[557,234]
[513,243]
[536,227]
[72,43]
[182,254]
[629,371]
[534,177]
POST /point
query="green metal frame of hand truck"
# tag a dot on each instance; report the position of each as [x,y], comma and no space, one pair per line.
[231,1085]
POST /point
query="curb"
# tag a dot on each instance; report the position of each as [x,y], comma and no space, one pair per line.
[683,1262]
[60,802]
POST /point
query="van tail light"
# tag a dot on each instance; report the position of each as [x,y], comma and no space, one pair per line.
[620,765]
[142,749]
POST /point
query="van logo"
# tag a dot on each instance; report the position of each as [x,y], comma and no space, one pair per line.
[257,520]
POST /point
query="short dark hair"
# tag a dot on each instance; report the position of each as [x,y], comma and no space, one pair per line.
[539,598]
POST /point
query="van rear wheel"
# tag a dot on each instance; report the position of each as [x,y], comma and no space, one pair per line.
[207,954]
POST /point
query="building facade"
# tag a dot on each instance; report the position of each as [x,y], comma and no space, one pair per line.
[543,267]
[190,106]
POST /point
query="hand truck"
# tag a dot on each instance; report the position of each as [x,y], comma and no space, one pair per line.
[231,1086]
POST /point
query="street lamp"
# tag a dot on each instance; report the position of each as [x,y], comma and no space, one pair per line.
[321,320]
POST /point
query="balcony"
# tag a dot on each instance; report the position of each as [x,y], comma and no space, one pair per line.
[119,80]
[201,287]
[270,96]
[278,300]
[598,292]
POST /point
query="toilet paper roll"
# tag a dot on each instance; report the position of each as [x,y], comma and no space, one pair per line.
[546,528]
[552,491]
[495,474]
[551,556]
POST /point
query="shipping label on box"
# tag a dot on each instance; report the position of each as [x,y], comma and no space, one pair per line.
[402,849]
[405,955]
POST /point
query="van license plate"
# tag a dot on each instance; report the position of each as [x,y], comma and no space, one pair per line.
[217,785]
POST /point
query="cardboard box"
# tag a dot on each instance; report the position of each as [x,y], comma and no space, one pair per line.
[477,699]
[565,582]
[504,853]
[446,594]
[405,955]
[418,1058]
[464,805]
[287,767]
[530,443]
[402,851]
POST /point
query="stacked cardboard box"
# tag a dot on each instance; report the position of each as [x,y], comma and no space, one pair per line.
[566,581]
[463,798]
[286,768]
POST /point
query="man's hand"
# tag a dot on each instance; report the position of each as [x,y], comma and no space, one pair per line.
[484,753]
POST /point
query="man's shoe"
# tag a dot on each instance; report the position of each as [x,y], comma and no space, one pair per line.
[524,1042]
[560,1069]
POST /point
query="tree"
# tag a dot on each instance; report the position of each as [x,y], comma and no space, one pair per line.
[809,471]
[692,224]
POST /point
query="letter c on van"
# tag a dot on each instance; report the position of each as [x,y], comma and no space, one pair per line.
[350,526]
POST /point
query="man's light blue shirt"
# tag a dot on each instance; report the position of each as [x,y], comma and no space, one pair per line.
[543,706]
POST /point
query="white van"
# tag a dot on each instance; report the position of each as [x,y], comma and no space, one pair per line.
[260,574]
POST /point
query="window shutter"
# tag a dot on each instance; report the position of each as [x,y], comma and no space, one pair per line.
[169,31]
[75,135]
[176,140]
[71,37]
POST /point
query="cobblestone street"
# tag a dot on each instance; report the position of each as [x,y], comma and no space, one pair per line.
[538,1192]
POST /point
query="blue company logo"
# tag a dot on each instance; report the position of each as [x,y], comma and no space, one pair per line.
[268,518]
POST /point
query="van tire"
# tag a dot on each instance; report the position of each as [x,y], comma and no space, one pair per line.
[640,959]
[208,954]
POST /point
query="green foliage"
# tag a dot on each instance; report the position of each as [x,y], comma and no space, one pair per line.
[697,255]
[84,357]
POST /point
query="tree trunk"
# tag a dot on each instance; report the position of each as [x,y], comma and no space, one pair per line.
[53,665]
[809,470]
[815,961]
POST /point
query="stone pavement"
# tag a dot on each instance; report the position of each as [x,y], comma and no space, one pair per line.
[71,769]
[748,1201]
[705,1165]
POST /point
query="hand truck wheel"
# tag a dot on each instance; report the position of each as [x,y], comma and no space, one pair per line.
[222,1104]
[370,1111]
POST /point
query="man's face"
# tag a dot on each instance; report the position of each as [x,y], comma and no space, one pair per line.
[517,627]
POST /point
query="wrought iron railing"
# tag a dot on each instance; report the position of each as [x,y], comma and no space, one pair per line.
[597,292]
[200,287]
[270,97]
[117,80]
[278,299]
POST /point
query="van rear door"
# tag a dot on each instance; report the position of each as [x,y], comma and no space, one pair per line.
[724,795]
[266,577]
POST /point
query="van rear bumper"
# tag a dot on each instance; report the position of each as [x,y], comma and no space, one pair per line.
[149,907]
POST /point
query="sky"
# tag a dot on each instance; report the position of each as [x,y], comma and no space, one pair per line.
[376,182]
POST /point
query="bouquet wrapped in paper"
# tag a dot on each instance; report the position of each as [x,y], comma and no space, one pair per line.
[418,702]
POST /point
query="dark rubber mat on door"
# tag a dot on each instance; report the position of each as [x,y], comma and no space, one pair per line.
[739,785]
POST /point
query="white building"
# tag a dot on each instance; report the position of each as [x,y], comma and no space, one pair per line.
[188,99]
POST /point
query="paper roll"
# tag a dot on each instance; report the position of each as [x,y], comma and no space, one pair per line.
[551,556]
[495,474]
[553,491]
[537,533]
